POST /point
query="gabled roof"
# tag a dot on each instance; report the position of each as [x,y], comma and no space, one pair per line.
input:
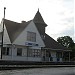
[38,18]
[51,43]
[14,28]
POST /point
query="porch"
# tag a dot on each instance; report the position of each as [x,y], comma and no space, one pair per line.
[53,55]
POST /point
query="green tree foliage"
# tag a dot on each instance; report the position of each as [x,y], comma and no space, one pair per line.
[73,48]
[66,41]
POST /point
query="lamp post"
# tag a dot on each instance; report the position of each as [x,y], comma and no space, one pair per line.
[2,33]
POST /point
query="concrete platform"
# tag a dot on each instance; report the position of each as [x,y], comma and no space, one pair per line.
[10,67]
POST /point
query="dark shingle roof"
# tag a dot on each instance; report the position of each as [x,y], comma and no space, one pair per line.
[51,43]
[38,18]
[14,28]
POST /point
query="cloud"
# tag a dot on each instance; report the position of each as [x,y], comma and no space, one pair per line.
[69,31]
[69,20]
[69,4]
[58,14]
[66,32]
[64,21]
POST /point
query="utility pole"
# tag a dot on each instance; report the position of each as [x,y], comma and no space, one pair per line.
[2,33]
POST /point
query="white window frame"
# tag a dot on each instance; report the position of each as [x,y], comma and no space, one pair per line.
[31,36]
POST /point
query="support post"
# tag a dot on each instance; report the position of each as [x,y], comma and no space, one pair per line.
[2,33]
[62,56]
[45,55]
[69,56]
[41,53]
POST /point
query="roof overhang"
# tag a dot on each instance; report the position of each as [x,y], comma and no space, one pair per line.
[51,49]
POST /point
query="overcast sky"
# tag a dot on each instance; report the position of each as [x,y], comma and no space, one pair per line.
[57,14]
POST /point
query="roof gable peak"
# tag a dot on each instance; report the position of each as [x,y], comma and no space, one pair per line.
[38,18]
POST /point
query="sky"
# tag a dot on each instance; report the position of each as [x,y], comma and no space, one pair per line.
[57,14]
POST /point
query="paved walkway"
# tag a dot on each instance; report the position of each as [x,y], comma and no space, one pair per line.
[41,71]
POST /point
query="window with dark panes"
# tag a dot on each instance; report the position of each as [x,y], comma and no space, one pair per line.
[5,51]
[36,53]
[19,51]
[59,54]
[31,36]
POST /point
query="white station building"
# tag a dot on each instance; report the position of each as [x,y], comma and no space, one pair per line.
[27,41]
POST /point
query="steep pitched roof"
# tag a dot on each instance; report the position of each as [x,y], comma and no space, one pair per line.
[14,28]
[38,18]
[51,43]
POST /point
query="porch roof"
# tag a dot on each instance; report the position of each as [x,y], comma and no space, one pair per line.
[51,44]
[62,50]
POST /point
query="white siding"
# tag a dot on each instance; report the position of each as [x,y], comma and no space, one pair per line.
[24,52]
[6,37]
[6,57]
[22,38]
[60,59]
[20,58]
[34,59]
[24,57]
[54,59]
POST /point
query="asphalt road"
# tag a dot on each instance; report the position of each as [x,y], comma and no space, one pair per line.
[41,71]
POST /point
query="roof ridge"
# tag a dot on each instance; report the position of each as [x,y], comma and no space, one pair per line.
[11,21]
[14,29]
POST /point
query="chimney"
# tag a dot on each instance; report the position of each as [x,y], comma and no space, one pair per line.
[23,22]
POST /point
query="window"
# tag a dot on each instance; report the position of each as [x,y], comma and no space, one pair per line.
[36,53]
[59,54]
[31,36]
[19,51]
[30,52]
[5,51]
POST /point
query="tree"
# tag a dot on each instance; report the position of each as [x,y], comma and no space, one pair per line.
[73,48]
[66,41]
